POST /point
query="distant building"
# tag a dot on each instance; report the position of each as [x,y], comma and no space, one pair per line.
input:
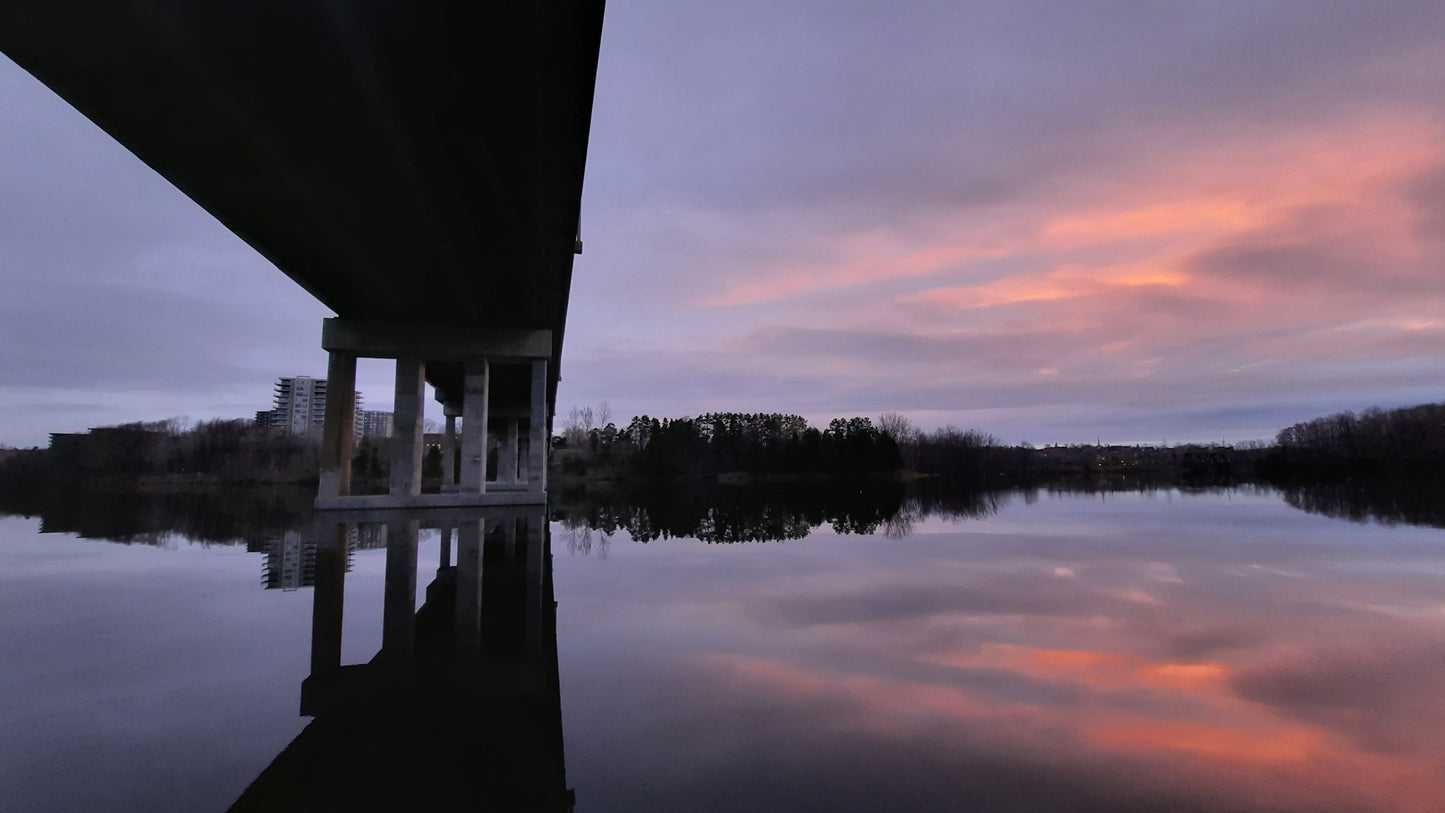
[373,423]
[300,406]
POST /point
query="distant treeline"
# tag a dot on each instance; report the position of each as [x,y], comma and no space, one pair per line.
[782,444]
[219,450]
[729,442]
[1405,442]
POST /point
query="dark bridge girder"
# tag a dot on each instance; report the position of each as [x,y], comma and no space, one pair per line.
[416,161]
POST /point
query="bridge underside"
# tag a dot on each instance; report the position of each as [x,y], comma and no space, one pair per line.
[518,406]
[412,164]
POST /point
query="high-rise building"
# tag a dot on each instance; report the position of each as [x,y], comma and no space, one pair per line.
[373,423]
[300,406]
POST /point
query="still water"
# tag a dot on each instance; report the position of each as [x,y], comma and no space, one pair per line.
[1158,650]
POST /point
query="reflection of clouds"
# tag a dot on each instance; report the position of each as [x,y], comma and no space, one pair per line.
[1291,692]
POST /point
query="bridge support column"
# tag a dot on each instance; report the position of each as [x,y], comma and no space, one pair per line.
[507,459]
[475,388]
[406,436]
[338,434]
[449,449]
[537,432]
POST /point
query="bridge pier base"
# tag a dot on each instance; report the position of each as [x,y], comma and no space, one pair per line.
[499,374]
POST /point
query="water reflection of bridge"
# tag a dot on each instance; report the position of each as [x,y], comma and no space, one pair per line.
[461,708]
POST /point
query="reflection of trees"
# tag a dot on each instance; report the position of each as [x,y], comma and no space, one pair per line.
[1387,502]
[581,539]
[218,517]
[763,513]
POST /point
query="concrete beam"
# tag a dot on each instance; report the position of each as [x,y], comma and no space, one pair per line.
[433,342]
[431,516]
[451,499]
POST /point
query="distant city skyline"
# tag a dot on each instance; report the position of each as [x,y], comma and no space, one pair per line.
[1052,221]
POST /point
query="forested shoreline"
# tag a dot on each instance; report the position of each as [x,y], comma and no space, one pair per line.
[737,447]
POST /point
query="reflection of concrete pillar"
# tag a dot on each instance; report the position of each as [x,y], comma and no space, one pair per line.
[509,541]
[537,434]
[398,623]
[468,627]
[406,438]
[507,459]
[444,555]
[474,427]
[536,550]
[337,433]
[449,449]
[328,598]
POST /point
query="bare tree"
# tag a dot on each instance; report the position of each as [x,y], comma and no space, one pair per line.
[897,426]
[574,429]
[604,414]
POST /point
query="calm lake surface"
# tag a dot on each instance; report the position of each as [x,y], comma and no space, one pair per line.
[1146,651]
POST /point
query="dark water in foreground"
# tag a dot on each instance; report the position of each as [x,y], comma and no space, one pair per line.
[1221,650]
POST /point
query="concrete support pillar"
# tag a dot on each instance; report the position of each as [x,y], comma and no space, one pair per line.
[449,450]
[507,459]
[337,435]
[537,434]
[328,598]
[468,627]
[398,623]
[474,427]
[406,437]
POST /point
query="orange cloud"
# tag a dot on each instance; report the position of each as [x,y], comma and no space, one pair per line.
[1215,742]
[1131,231]
[1096,669]
[1067,282]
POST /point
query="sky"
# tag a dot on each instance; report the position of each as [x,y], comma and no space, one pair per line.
[1051,221]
